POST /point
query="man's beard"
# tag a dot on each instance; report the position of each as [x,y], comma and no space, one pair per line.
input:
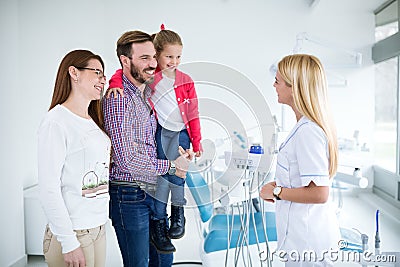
[139,77]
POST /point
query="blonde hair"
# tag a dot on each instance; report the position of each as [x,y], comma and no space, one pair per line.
[306,75]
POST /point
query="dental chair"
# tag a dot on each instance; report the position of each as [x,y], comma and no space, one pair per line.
[230,239]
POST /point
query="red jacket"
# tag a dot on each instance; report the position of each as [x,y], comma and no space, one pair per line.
[186,98]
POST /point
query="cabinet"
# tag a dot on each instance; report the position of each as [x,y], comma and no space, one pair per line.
[35,221]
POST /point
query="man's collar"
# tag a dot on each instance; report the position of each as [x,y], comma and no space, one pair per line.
[134,88]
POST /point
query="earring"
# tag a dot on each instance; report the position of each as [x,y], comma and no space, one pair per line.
[76,80]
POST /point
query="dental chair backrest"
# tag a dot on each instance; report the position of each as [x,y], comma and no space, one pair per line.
[201,194]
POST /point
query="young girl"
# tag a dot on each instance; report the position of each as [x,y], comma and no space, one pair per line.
[175,102]
[73,164]
[306,163]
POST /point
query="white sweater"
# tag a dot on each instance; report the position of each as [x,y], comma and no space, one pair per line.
[73,161]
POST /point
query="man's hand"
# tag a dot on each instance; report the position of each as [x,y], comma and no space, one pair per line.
[182,162]
[75,258]
[114,91]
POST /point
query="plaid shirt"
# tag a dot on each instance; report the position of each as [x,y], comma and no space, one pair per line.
[131,125]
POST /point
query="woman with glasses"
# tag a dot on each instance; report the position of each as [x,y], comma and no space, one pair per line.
[73,161]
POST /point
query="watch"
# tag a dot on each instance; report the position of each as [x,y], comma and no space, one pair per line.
[172,168]
[277,190]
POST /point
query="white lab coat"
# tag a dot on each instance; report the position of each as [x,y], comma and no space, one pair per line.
[304,157]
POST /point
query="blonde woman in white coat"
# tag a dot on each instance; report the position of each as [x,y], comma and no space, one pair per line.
[307,160]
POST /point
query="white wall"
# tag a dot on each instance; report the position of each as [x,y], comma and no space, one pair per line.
[245,35]
[12,161]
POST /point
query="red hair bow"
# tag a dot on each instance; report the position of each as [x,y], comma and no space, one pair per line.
[162,27]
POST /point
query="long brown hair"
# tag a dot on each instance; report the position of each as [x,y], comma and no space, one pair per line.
[63,87]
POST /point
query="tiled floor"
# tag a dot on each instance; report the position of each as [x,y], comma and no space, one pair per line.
[357,212]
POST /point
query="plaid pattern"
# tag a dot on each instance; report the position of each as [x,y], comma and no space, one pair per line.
[131,125]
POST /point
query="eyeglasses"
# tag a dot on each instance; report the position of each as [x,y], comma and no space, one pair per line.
[99,73]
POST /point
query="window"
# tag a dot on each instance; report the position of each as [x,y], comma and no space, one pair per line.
[386,53]
[386,102]
[386,57]
[386,20]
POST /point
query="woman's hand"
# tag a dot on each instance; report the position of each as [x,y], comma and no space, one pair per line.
[198,154]
[75,258]
[114,91]
[266,192]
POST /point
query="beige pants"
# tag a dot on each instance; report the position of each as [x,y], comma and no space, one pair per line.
[93,243]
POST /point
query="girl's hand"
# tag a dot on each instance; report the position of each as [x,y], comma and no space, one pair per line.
[198,154]
[114,91]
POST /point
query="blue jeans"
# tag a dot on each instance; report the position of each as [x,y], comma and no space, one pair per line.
[167,148]
[130,211]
